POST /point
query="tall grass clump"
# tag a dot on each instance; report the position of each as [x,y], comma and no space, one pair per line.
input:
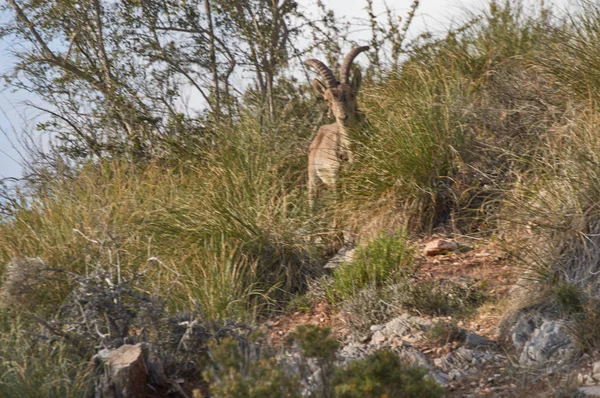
[31,368]
[445,127]
[555,219]
[573,54]
[228,229]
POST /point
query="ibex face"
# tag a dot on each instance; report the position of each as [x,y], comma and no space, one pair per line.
[331,146]
[341,100]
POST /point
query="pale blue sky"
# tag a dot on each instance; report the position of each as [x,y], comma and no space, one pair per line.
[15,116]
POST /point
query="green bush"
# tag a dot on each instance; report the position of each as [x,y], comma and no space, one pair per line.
[385,260]
[237,374]
[245,369]
[315,342]
[383,374]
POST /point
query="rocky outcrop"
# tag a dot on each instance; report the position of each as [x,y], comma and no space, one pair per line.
[399,335]
[589,392]
[540,341]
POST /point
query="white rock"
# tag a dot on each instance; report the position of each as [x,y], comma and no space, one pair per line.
[440,246]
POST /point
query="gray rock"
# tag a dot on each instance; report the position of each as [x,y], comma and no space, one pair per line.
[466,359]
[378,337]
[352,352]
[522,331]
[455,374]
[549,342]
[440,377]
[589,391]
[401,326]
[474,340]
[414,357]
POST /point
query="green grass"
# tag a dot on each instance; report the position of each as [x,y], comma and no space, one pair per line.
[444,128]
[381,262]
[31,368]
[230,230]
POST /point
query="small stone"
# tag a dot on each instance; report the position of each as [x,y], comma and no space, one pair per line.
[440,246]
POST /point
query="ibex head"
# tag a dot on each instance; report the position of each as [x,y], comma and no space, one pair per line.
[340,95]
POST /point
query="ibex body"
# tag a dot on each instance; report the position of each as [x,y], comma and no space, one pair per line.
[331,146]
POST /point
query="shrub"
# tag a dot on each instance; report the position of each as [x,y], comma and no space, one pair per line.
[242,368]
[230,228]
[383,374]
[441,297]
[315,342]
[243,371]
[384,260]
[556,216]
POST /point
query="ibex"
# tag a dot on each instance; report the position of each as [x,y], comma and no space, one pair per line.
[331,146]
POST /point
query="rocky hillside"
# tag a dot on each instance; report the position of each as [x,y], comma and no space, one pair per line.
[156,253]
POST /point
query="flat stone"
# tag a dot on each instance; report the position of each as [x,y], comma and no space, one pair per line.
[474,340]
[440,246]
[590,391]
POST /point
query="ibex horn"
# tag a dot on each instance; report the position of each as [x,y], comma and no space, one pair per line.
[345,69]
[324,71]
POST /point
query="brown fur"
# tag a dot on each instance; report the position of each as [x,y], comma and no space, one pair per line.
[331,146]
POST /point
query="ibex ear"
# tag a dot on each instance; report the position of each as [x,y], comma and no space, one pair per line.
[356,80]
[319,87]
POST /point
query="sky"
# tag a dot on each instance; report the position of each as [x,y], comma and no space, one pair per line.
[434,15]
